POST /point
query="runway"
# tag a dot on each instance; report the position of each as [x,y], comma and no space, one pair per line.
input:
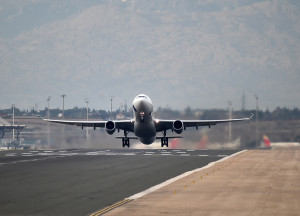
[255,182]
[81,181]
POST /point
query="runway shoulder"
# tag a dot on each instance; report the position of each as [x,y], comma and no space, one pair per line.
[255,182]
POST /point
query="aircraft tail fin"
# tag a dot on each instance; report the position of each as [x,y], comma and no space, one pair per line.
[266,141]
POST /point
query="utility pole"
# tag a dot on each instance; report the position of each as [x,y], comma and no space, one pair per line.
[256,121]
[49,98]
[63,114]
[230,117]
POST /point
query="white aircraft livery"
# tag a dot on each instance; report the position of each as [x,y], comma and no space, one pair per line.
[145,125]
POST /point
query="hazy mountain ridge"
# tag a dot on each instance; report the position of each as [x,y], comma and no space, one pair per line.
[186,49]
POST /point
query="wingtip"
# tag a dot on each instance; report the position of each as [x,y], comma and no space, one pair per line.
[41,117]
[252,114]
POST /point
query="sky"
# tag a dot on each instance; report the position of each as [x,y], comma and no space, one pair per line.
[200,54]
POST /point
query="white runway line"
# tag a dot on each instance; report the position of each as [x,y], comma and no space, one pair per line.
[129,154]
[93,153]
[10,155]
[43,154]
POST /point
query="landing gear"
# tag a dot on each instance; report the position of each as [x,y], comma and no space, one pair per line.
[125,140]
[164,140]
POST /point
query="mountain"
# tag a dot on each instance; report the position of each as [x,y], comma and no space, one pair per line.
[181,53]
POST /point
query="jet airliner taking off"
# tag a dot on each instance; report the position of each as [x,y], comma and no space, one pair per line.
[145,125]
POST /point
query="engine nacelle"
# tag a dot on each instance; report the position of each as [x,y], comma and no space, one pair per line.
[110,127]
[178,126]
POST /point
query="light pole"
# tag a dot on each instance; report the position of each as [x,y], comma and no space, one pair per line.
[87,109]
[48,99]
[13,109]
[48,126]
[111,99]
[63,114]
[87,115]
[230,117]
[256,120]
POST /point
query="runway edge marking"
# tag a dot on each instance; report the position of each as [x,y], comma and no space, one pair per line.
[109,208]
[156,187]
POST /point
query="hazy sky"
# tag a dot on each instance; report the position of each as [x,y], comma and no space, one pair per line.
[200,54]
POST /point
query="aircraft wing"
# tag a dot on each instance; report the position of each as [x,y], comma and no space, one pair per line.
[11,127]
[162,125]
[5,125]
[120,124]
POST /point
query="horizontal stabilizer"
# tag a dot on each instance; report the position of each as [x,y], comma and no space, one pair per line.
[129,137]
[170,137]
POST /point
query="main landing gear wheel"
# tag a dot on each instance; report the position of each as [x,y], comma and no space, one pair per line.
[125,142]
[164,142]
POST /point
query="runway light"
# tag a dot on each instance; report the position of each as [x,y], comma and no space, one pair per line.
[174,191]
[185,186]
[194,182]
[201,178]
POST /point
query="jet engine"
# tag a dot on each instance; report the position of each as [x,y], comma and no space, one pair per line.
[178,126]
[110,127]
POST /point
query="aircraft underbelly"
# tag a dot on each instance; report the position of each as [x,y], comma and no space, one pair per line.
[146,132]
[147,140]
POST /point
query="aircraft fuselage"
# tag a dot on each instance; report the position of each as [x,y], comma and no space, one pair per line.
[144,125]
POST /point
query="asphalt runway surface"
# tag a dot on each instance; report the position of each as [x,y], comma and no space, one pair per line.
[81,181]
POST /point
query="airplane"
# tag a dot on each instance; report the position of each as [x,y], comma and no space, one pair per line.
[144,125]
[6,126]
